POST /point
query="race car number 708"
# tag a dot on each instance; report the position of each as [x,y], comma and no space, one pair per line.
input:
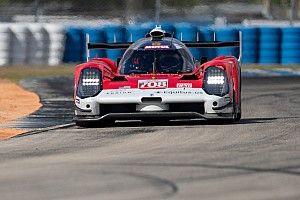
[152,84]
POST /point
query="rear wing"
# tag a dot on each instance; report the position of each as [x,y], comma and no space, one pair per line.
[213,44]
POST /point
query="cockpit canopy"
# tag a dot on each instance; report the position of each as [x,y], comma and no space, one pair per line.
[147,56]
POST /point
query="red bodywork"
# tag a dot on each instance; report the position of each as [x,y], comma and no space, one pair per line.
[112,79]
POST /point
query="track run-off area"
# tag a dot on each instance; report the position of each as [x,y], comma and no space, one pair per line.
[257,158]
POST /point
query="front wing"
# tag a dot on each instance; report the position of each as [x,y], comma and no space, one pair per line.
[172,103]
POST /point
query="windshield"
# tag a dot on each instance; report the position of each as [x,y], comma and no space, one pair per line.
[140,61]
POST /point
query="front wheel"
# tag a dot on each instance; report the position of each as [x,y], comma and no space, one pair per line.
[236,109]
[155,121]
[104,123]
[107,123]
[238,117]
[239,114]
[85,124]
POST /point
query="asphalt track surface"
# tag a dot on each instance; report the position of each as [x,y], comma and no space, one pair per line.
[258,158]
[56,94]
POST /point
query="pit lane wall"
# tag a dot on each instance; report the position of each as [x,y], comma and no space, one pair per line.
[53,44]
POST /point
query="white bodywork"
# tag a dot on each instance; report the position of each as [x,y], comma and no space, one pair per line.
[90,105]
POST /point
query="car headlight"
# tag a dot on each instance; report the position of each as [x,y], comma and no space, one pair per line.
[215,81]
[90,82]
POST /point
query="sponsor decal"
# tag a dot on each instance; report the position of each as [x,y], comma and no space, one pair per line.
[156,44]
[184,85]
[124,87]
[157,47]
[178,92]
[153,84]
[118,92]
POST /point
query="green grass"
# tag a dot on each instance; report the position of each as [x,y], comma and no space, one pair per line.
[17,73]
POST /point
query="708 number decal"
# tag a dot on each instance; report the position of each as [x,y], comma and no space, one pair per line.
[153,84]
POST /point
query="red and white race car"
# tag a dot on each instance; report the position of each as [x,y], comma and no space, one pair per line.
[157,79]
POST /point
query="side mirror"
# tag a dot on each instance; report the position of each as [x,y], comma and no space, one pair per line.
[203,60]
[118,61]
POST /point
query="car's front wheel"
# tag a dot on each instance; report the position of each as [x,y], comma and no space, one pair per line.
[85,124]
[236,109]
[99,124]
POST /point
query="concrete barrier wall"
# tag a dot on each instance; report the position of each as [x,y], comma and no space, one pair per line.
[52,44]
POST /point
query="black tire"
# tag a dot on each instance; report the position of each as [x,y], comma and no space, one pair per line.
[107,123]
[234,117]
[85,124]
[239,114]
[104,123]
[238,117]
[155,121]
[237,111]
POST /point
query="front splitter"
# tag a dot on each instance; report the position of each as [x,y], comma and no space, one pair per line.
[143,115]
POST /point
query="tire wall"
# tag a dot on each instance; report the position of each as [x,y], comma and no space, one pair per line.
[31,43]
[74,45]
[206,35]
[227,34]
[187,32]
[250,48]
[290,45]
[115,34]
[269,45]
[5,41]
[53,44]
